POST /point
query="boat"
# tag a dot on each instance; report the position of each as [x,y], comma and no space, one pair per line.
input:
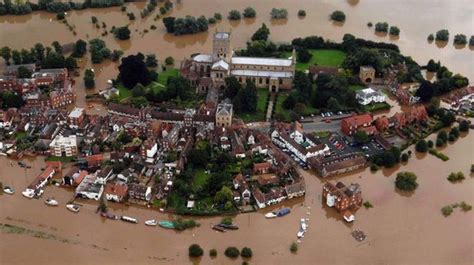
[230,227]
[109,216]
[9,190]
[283,212]
[28,194]
[129,219]
[218,228]
[270,215]
[166,224]
[73,207]
[151,222]
[304,226]
[51,202]
[300,233]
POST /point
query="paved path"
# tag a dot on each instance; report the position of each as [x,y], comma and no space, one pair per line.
[270,107]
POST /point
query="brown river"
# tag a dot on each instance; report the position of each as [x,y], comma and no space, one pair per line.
[401,229]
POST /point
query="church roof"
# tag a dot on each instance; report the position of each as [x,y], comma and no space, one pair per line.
[255,73]
[220,64]
[261,61]
[203,58]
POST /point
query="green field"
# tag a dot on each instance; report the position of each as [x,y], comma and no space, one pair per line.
[323,57]
[261,112]
[375,107]
[200,179]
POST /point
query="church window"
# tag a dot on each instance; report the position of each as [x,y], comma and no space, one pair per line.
[280,81]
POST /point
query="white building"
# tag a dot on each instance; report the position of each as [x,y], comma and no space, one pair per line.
[368,95]
[90,188]
[302,146]
[63,146]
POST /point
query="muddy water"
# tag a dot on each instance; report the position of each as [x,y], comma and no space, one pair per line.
[415,19]
[401,228]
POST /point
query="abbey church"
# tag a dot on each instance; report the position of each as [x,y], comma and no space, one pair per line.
[210,70]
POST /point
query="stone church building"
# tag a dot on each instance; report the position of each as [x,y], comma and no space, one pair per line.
[210,70]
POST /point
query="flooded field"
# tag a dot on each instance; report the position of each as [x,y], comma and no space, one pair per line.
[401,228]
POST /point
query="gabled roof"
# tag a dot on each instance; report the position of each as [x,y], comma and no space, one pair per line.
[203,58]
[220,65]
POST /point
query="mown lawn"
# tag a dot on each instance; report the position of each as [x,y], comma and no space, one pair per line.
[124,92]
[323,57]
[261,112]
[200,179]
[376,106]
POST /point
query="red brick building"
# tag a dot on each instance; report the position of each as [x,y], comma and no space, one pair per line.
[342,197]
[352,124]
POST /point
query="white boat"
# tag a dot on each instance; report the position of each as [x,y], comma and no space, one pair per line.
[28,194]
[152,222]
[270,215]
[304,226]
[9,190]
[300,234]
[129,219]
[51,202]
[73,207]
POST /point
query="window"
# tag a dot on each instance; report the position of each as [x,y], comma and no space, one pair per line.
[280,81]
[260,80]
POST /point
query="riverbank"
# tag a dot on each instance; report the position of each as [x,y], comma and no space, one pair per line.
[400,229]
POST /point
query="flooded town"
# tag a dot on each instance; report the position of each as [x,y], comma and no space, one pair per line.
[236,132]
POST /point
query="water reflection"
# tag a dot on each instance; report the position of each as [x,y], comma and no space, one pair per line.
[441,44]
[338,23]
[278,22]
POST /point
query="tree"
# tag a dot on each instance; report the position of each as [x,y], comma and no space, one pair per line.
[232,87]
[139,102]
[301,13]
[246,252]
[80,48]
[333,104]
[294,247]
[381,27]
[448,119]
[406,181]
[430,37]
[421,146]
[302,84]
[57,47]
[16,57]
[234,15]
[224,195]
[151,61]
[213,252]
[303,55]
[122,33]
[432,66]
[60,16]
[169,24]
[425,91]
[89,78]
[338,16]
[249,12]
[261,34]
[133,71]
[460,39]
[246,99]
[232,252]
[169,60]
[471,40]
[405,157]
[5,52]
[289,102]
[361,137]
[195,251]
[218,16]
[395,31]
[70,63]
[23,72]
[442,35]
[464,126]
[281,13]
[11,100]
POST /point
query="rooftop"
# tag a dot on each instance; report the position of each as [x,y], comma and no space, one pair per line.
[261,61]
[76,113]
[262,73]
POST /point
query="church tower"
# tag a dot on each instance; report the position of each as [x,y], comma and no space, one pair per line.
[221,46]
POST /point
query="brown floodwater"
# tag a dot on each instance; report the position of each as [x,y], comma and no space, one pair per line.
[401,228]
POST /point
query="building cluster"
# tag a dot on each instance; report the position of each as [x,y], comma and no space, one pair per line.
[369,96]
[345,199]
[461,101]
[205,71]
[45,88]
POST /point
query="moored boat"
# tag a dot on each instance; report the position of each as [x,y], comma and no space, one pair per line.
[304,226]
[73,207]
[109,216]
[9,190]
[283,212]
[270,215]
[152,222]
[218,228]
[28,194]
[300,233]
[51,202]
[230,227]
[167,224]
[129,219]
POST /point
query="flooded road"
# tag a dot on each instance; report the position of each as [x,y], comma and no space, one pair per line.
[401,228]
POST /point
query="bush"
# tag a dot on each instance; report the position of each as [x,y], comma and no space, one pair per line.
[430,144]
[122,33]
[442,35]
[294,247]
[439,154]
[213,252]
[421,146]
[226,221]
[169,60]
[381,27]
[301,13]
[246,252]
[464,126]
[430,37]
[338,16]
[195,251]
[234,15]
[369,24]
[442,135]
[460,39]
[218,16]
[374,168]
[181,224]
[303,56]
[395,31]
[405,157]
[249,12]
[471,40]
[439,142]
[232,252]
[447,210]
[406,181]
[281,13]
[60,16]
[89,78]
[211,20]
[456,177]
[465,207]
[368,205]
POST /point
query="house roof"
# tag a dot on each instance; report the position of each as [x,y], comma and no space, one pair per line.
[116,189]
